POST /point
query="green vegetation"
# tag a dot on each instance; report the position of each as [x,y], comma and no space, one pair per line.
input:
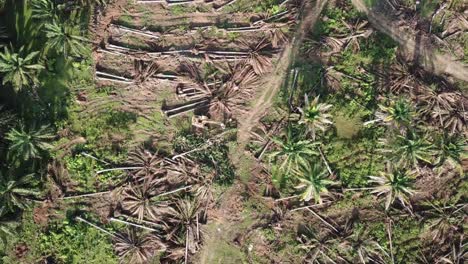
[187,155]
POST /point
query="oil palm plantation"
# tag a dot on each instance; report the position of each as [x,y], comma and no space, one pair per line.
[293,152]
[314,182]
[14,191]
[18,69]
[29,144]
[63,39]
[315,116]
[393,184]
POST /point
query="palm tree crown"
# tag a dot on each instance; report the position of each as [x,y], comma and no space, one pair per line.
[26,145]
[292,152]
[410,149]
[62,39]
[399,113]
[18,70]
[313,179]
[315,115]
[13,192]
[451,149]
[394,184]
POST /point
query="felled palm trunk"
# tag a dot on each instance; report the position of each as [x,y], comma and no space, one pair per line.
[186,107]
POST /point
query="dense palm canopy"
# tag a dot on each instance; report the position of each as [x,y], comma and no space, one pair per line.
[61,38]
[293,152]
[29,144]
[394,184]
[315,115]
[19,70]
[314,182]
[15,191]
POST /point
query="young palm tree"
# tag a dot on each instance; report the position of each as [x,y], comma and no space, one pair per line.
[132,247]
[29,144]
[319,247]
[399,113]
[451,149]
[44,10]
[315,115]
[15,191]
[452,119]
[444,221]
[314,181]
[17,70]
[365,248]
[3,36]
[394,184]
[61,37]
[7,229]
[7,119]
[293,153]
[410,149]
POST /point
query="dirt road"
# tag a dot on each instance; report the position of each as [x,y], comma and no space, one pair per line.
[310,16]
[426,56]
[218,247]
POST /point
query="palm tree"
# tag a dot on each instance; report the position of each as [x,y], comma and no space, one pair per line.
[315,115]
[444,221]
[61,38]
[44,10]
[452,119]
[132,247]
[319,247]
[137,201]
[149,164]
[394,184]
[366,249]
[7,119]
[314,180]
[293,153]
[399,113]
[29,144]
[7,230]
[184,220]
[14,192]
[3,35]
[258,58]
[410,149]
[450,148]
[18,70]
